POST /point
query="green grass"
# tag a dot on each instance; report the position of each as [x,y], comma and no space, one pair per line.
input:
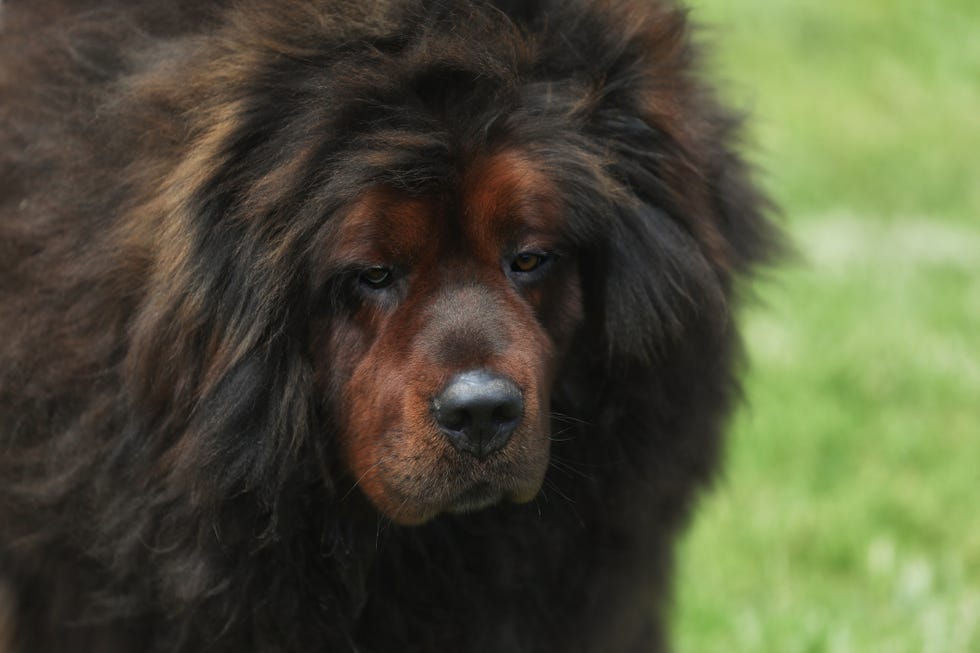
[849,515]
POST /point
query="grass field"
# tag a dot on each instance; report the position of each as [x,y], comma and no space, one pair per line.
[848,519]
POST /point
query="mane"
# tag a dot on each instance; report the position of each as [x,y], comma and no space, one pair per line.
[164,172]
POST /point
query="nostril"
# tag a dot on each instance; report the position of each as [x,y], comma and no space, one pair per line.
[507,411]
[478,411]
[504,420]
[454,419]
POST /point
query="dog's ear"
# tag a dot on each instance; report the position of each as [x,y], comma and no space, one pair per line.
[217,377]
[659,288]
[693,220]
[694,224]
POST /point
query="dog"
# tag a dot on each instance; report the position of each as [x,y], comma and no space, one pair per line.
[403,325]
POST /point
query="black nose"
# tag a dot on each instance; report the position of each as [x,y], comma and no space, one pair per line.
[478,411]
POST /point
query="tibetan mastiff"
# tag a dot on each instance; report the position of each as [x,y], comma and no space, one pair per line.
[348,325]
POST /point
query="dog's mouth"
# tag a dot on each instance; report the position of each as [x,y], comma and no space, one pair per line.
[484,494]
[457,483]
[477,497]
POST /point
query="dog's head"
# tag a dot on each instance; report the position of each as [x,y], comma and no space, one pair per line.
[388,244]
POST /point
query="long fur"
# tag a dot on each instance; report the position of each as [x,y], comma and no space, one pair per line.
[169,479]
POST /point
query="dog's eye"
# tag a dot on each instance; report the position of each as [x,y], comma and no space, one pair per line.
[376,277]
[527,262]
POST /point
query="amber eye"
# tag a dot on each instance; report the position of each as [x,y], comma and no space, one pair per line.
[526,262]
[376,277]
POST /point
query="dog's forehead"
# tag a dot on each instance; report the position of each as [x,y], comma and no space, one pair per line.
[508,193]
[499,200]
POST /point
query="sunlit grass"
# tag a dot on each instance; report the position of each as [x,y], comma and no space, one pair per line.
[847,518]
[846,521]
[869,106]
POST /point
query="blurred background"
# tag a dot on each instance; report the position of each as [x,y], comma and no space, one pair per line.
[848,518]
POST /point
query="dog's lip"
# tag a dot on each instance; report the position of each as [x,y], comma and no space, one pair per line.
[493,481]
[474,496]
[477,496]
[483,494]
[459,485]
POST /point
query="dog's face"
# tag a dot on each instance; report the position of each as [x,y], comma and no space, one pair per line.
[455,312]
[378,261]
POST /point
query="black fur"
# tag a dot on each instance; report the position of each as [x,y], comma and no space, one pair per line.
[168,478]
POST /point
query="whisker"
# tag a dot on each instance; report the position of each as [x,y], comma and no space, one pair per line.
[571,502]
[554,486]
[562,417]
[554,437]
[567,468]
[361,478]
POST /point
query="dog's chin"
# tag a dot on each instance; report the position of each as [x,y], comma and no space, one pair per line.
[458,499]
[484,495]
[479,496]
